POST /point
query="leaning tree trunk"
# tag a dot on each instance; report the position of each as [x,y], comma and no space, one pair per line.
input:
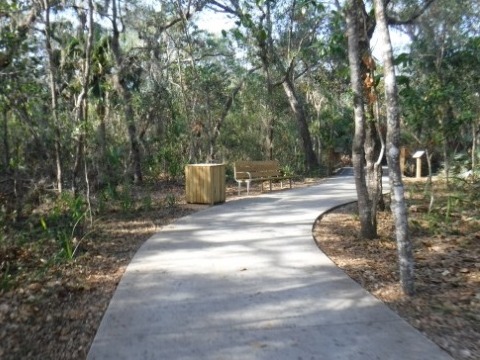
[399,207]
[297,108]
[228,105]
[367,230]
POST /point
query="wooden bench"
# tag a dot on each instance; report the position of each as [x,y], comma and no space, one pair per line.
[248,171]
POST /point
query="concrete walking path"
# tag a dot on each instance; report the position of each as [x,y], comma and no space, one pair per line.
[245,281]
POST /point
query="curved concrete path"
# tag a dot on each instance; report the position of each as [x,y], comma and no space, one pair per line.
[245,281]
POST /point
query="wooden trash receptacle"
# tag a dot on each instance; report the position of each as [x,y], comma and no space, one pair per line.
[205,183]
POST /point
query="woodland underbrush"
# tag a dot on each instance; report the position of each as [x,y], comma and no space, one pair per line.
[60,262]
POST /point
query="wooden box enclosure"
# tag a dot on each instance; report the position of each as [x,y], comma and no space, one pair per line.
[205,183]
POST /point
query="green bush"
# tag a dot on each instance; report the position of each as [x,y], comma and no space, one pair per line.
[64,223]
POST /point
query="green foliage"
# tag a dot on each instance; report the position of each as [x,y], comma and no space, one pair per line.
[170,201]
[403,59]
[126,198]
[171,161]
[439,86]
[288,170]
[64,223]
[147,203]
[4,216]
[461,171]
[457,201]
[6,281]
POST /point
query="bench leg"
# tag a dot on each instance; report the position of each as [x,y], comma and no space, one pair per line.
[239,187]
[248,187]
[270,185]
[290,183]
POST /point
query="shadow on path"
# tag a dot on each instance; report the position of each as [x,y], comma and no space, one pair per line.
[245,280]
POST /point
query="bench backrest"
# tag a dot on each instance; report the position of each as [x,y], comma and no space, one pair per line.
[258,169]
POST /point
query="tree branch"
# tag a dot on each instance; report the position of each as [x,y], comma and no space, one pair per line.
[226,9]
[170,24]
[397,21]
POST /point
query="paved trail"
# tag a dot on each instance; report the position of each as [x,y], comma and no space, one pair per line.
[245,281]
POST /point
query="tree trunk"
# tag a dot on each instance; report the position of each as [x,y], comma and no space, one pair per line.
[269,119]
[54,100]
[124,92]
[474,146]
[212,154]
[399,207]
[6,144]
[371,155]
[365,28]
[444,125]
[103,167]
[367,230]
[81,111]
[267,64]
[77,163]
[136,158]
[311,160]
[228,105]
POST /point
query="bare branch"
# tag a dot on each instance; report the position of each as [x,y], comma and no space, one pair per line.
[392,20]
[170,24]
[226,9]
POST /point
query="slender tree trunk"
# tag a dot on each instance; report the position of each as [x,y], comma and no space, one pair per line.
[367,230]
[267,64]
[374,145]
[104,166]
[136,158]
[381,154]
[86,85]
[53,91]
[474,146]
[295,101]
[375,150]
[269,118]
[124,92]
[223,116]
[6,143]
[399,207]
[81,111]
[371,155]
[429,184]
[299,112]
[77,163]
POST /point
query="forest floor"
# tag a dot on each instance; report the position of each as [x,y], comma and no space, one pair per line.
[51,308]
[446,246]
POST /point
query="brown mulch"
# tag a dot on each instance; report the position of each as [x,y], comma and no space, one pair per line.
[53,308]
[446,306]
